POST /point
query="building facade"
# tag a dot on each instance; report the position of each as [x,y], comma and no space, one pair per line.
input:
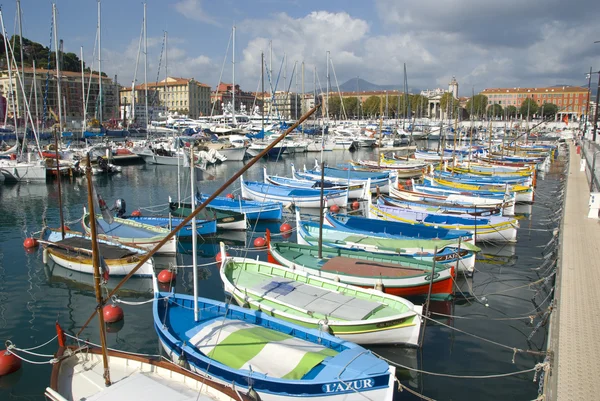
[185,96]
[244,101]
[282,105]
[570,100]
[71,92]
[434,97]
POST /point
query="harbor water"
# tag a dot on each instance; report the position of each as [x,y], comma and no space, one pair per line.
[482,331]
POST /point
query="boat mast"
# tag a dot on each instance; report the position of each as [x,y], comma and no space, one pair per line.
[96,265]
[58,96]
[146,67]
[84,122]
[233,77]
[99,66]
[10,81]
[194,239]
[327,93]
[37,114]
[302,100]
[22,66]
[262,82]
[166,72]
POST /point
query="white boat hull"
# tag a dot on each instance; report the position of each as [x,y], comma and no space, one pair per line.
[22,172]
[123,269]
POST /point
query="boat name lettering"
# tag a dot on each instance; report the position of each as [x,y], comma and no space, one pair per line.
[390,323]
[348,386]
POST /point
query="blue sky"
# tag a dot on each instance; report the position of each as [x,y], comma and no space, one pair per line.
[484,44]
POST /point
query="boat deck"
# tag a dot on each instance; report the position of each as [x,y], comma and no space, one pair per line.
[363,268]
[319,301]
[577,351]
[107,251]
[126,231]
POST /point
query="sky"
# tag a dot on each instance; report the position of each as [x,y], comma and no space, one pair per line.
[482,43]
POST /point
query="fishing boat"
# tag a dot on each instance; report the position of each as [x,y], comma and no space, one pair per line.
[485,229]
[309,233]
[449,196]
[74,252]
[78,375]
[88,372]
[252,209]
[288,196]
[203,227]
[431,156]
[395,275]
[437,207]
[357,191]
[522,193]
[231,344]
[129,232]
[225,219]
[363,316]
[395,228]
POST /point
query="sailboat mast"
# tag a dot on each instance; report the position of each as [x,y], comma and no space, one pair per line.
[58,91]
[84,109]
[99,67]
[262,83]
[327,93]
[96,265]
[194,239]
[21,50]
[146,66]
[166,71]
[233,76]
[35,95]
[302,101]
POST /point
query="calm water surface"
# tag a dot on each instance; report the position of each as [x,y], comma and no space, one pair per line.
[33,296]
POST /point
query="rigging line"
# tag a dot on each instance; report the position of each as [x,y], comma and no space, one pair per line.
[156,94]
[514,349]
[537,367]
[212,111]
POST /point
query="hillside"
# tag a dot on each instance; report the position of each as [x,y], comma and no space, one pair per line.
[43,56]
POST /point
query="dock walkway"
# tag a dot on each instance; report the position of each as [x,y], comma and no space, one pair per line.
[577,347]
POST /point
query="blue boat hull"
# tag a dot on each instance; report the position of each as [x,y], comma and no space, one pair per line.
[253,210]
[173,317]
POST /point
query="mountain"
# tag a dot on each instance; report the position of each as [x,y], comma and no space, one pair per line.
[366,86]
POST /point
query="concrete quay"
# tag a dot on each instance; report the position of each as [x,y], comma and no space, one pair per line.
[575,326]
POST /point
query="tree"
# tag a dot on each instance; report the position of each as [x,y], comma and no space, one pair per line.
[335,108]
[446,101]
[529,107]
[371,105]
[549,109]
[478,104]
[351,105]
[419,105]
[495,110]
[511,111]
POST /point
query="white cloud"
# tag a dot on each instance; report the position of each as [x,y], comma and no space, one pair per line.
[193,9]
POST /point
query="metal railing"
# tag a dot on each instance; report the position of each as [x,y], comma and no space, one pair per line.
[589,153]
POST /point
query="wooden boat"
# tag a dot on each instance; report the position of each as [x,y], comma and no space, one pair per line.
[363,316]
[522,193]
[231,344]
[485,229]
[474,179]
[308,233]
[396,275]
[347,176]
[395,228]
[78,375]
[454,197]
[287,196]
[437,207]
[252,209]
[431,156]
[203,227]
[226,219]
[130,232]
[486,169]
[74,252]
[356,191]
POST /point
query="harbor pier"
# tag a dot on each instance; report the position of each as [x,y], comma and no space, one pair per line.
[573,345]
